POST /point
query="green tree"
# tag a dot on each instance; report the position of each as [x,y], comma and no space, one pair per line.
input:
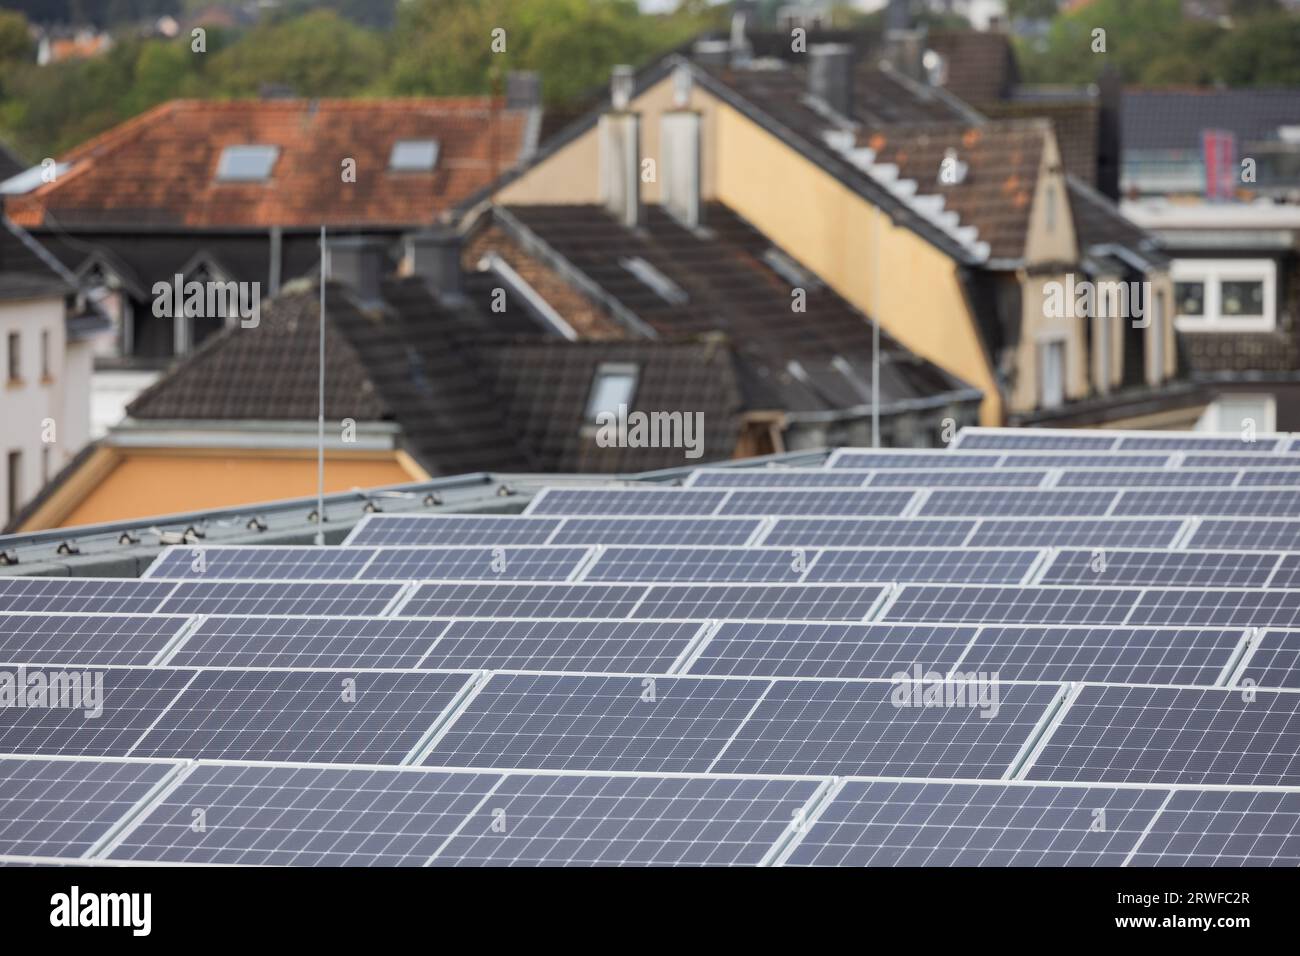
[15,42]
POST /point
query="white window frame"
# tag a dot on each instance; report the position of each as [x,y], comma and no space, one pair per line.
[1213,273]
[611,370]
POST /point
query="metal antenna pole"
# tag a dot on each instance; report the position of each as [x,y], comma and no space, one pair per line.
[320,418]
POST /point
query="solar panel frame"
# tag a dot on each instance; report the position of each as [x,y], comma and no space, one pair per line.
[646,646]
[86,639]
[1223,828]
[387,530]
[298,642]
[1131,567]
[1246,534]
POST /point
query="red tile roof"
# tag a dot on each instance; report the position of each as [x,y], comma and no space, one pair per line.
[160,167]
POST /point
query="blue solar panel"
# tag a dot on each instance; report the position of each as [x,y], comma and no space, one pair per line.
[800,649]
[506,564]
[1006,605]
[85,638]
[646,647]
[815,502]
[300,816]
[1103,654]
[1218,608]
[96,713]
[70,595]
[631,501]
[886,729]
[1221,460]
[1076,532]
[1274,477]
[1175,735]
[1011,440]
[523,600]
[1170,568]
[65,807]
[754,602]
[993,503]
[1193,443]
[949,566]
[1247,534]
[657,531]
[778,478]
[559,722]
[280,597]
[961,478]
[904,823]
[868,532]
[1279,502]
[698,565]
[288,642]
[271,564]
[1146,478]
[562,820]
[1085,460]
[338,717]
[1274,661]
[849,458]
[1224,828]
[1287,574]
[452,529]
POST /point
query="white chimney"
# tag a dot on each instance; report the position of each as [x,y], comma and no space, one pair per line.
[679,161]
[620,152]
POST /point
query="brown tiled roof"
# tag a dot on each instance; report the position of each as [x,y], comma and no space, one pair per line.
[980,65]
[1074,121]
[997,193]
[160,167]
[733,292]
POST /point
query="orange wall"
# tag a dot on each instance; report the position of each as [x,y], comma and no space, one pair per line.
[147,483]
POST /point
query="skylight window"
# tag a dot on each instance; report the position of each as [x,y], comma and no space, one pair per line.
[656,281]
[413,156]
[613,385]
[247,164]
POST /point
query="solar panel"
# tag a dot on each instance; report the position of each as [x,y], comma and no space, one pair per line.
[1007,605]
[65,807]
[1274,477]
[1014,440]
[1246,534]
[1203,607]
[756,602]
[1278,502]
[1259,445]
[570,722]
[777,478]
[886,729]
[272,564]
[815,502]
[1171,568]
[567,820]
[70,595]
[950,566]
[523,600]
[868,532]
[1274,661]
[304,816]
[383,529]
[963,478]
[698,564]
[803,649]
[861,460]
[1224,828]
[1222,460]
[906,823]
[507,564]
[85,638]
[298,642]
[648,647]
[1146,478]
[993,503]
[1103,654]
[321,716]
[657,531]
[1175,735]
[621,501]
[96,713]
[1076,532]
[280,597]
[1087,460]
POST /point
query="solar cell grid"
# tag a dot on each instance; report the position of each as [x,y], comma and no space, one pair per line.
[563,722]
[868,532]
[1246,534]
[1277,502]
[1274,661]
[1055,605]
[1258,445]
[65,807]
[948,502]
[756,602]
[1218,608]
[1086,460]
[452,529]
[648,647]
[1175,735]
[886,729]
[293,816]
[1078,532]
[504,563]
[560,820]
[1146,478]
[1287,574]
[1271,477]
[267,563]
[863,460]
[289,642]
[523,600]
[961,478]
[1011,440]
[799,649]
[1170,568]
[966,566]
[85,638]
[320,716]
[70,595]
[1103,654]
[657,531]
[633,501]
[886,823]
[777,478]
[332,599]
[698,564]
[815,502]
[1224,828]
[1251,462]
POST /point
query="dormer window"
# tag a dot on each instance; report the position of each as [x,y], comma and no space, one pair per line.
[247,163]
[413,156]
[613,385]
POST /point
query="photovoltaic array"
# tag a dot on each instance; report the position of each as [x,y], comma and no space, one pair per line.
[1036,648]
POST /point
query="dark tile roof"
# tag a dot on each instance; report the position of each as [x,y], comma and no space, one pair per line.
[11,164]
[1074,121]
[1002,163]
[25,270]
[732,291]
[160,167]
[1174,118]
[411,363]
[980,66]
[1098,222]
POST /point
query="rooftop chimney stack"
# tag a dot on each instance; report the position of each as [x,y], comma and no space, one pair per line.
[830,75]
[679,136]
[433,255]
[620,152]
[358,262]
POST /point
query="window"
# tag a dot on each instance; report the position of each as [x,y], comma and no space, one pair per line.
[1225,295]
[15,354]
[413,156]
[1236,413]
[14,485]
[45,356]
[613,385]
[1051,374]
[246,164]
